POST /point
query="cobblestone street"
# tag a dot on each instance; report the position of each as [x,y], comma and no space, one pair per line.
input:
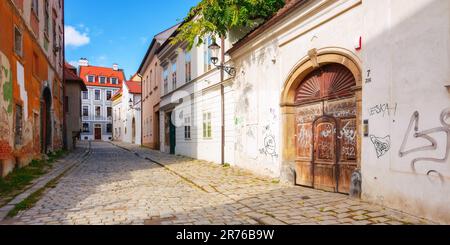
[131,185]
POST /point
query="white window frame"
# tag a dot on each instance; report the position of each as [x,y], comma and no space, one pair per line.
[207,125]
[111,80]
[85,93]
[93,78]
[100,79]
[82,111]
[99,95]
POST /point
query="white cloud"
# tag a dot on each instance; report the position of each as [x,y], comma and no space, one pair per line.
[75,38]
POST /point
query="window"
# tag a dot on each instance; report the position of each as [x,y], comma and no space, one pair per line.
[114,80]
[188,66]
[18,125]
[109,128]
[174,75]
[91,78]
[207,54]
[85,111]
[207,125]
[47,18]
[148,84]
[54,37]
[35,7]
[86,128]
[102,80]
[187,128]
[85,95]
[97,94]
[98,111]
[166,80]
[109,112]
[108,95]
[18,42]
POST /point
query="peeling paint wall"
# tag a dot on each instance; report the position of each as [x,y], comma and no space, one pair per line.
[23,79]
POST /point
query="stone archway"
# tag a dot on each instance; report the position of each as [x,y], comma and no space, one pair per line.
[316,60]
[46,120]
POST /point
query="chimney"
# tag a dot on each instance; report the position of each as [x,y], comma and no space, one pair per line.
[115,67]
[83,62]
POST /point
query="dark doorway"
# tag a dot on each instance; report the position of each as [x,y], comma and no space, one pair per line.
[46,123]
[170,133]
[133,131]
[98,132]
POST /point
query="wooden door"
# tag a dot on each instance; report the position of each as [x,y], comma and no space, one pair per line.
[325,155]
[98,133]
[326,129]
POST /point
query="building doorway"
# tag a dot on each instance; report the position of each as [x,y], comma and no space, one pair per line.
[133,131]
[321,114]
[46,121]
[170,133]
[98,132]
[326,145]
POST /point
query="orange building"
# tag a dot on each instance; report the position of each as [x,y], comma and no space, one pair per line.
[31,75]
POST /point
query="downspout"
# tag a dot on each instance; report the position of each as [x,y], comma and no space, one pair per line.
[222,99]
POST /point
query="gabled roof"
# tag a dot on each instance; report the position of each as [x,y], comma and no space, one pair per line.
[70,75]
[158,39]
[288,8]
[134,87]
[102,71]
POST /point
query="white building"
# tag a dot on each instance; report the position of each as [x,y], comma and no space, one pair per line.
[127,112]
[96,105]
[194,127]
[327,88]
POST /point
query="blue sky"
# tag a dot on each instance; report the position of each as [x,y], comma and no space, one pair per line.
[113,31]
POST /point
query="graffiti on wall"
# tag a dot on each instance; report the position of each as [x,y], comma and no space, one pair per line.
[385,109]
[269,144]
[426,135]
[382,145]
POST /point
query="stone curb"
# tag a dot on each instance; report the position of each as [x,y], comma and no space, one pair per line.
[41,182]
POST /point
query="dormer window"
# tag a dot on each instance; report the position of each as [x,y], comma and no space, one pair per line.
[102,80]
[91,78]
[114,80]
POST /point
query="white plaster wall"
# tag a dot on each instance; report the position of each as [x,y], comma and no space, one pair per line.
[264,66]
[408,53]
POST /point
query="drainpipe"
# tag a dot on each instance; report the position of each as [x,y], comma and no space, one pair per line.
[222,98]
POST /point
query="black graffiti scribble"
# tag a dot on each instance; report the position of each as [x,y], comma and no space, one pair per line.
[382,145]
[414,122]
[384,109]
[269,146]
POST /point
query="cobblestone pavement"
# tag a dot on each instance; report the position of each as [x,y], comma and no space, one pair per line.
[120,186]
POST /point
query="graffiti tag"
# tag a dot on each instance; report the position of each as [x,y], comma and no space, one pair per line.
[383,109]
[426,135]
[382,145]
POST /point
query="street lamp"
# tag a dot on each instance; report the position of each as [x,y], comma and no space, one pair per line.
[215,49]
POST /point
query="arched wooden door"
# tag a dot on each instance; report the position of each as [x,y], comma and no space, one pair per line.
[326,133]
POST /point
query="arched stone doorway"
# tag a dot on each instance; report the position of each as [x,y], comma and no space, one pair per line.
[133,131]
[321,106]
[46,121]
